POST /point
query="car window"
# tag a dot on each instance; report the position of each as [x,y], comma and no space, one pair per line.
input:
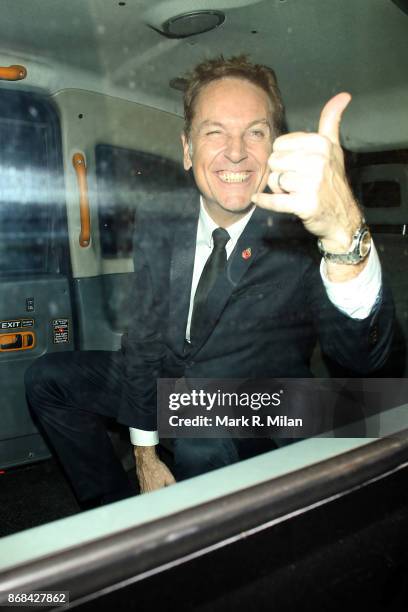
[102,256]
[31,184]
[126,180]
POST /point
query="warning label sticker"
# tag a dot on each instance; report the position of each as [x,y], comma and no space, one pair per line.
[60,331]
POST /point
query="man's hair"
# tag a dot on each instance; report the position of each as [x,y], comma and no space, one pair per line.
[238,67]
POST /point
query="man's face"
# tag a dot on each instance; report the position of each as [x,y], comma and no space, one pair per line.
[231,139]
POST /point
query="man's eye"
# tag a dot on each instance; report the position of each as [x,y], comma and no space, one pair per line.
[259,134]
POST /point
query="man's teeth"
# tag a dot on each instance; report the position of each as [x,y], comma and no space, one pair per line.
[233,177]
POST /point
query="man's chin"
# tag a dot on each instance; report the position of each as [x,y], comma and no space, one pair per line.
[228,208]
[238,208]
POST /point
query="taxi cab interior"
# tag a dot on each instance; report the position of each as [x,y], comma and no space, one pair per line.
[90,123]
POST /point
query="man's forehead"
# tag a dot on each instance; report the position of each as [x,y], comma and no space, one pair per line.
[232,99]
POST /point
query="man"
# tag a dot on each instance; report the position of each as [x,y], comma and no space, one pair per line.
[225,289]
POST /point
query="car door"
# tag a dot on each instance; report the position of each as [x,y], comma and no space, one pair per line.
[35,303]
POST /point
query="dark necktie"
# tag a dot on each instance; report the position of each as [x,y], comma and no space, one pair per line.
[213,267]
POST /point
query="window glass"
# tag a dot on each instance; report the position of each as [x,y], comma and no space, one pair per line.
[126,179]
[381,194]
[29,184]
[378,178]
[105,82]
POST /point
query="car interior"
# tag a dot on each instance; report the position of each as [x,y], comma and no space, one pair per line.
[90,122]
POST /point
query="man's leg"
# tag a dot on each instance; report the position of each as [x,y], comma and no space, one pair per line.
[70,394]
[194,456]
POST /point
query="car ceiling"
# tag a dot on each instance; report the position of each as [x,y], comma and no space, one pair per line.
[316,47]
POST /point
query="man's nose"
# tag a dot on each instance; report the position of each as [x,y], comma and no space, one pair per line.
[235,150]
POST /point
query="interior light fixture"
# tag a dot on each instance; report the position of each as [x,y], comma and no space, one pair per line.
[189,24]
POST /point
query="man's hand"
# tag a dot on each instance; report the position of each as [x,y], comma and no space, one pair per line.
[151,472]
[308,179]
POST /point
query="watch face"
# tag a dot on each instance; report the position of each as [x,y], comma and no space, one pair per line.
[365,243]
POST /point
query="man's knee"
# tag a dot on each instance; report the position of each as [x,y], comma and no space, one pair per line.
[46,375]
[198,456]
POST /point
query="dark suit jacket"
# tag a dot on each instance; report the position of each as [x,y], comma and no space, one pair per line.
[265,311]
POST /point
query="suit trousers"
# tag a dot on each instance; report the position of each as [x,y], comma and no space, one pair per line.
[73,395]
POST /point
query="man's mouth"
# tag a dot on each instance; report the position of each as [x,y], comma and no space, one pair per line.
[233,177]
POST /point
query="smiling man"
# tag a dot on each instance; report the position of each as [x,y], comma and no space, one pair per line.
[225,287]
[232,142]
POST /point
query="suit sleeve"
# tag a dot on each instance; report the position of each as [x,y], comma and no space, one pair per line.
[142,345]
[360,345]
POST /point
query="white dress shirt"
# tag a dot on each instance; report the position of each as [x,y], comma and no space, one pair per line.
[355,297]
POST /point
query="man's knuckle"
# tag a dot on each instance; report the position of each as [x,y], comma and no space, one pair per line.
[325,144]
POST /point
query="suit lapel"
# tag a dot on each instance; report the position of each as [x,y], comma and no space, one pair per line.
[240,260]
[181,274]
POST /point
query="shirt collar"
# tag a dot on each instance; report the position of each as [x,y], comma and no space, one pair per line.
[206,226]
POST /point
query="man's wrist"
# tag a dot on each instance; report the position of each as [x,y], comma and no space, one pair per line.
[341,241]
[356,296]
[341,273]
[144,453]
[356,253]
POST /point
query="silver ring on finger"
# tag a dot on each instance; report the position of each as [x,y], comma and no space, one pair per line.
[279,184]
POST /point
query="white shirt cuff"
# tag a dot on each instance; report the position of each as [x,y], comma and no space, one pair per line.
[140,437]
[357,296]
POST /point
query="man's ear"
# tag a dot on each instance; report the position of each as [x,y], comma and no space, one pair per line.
[186,152]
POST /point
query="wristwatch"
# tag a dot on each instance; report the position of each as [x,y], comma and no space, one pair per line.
[359,249]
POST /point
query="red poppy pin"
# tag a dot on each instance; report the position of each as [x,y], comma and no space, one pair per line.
[246,253]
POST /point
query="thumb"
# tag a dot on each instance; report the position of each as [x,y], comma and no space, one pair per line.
[169,480]
[330,117]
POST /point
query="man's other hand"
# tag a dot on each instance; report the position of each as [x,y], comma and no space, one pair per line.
[151,472]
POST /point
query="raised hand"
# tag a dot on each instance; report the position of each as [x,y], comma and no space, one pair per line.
[308,179]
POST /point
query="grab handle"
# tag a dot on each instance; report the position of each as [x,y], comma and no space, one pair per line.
[78,161]
[13,73]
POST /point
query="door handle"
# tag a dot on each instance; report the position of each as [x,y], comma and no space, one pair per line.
[13,73]
[78,161]
[17,342]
